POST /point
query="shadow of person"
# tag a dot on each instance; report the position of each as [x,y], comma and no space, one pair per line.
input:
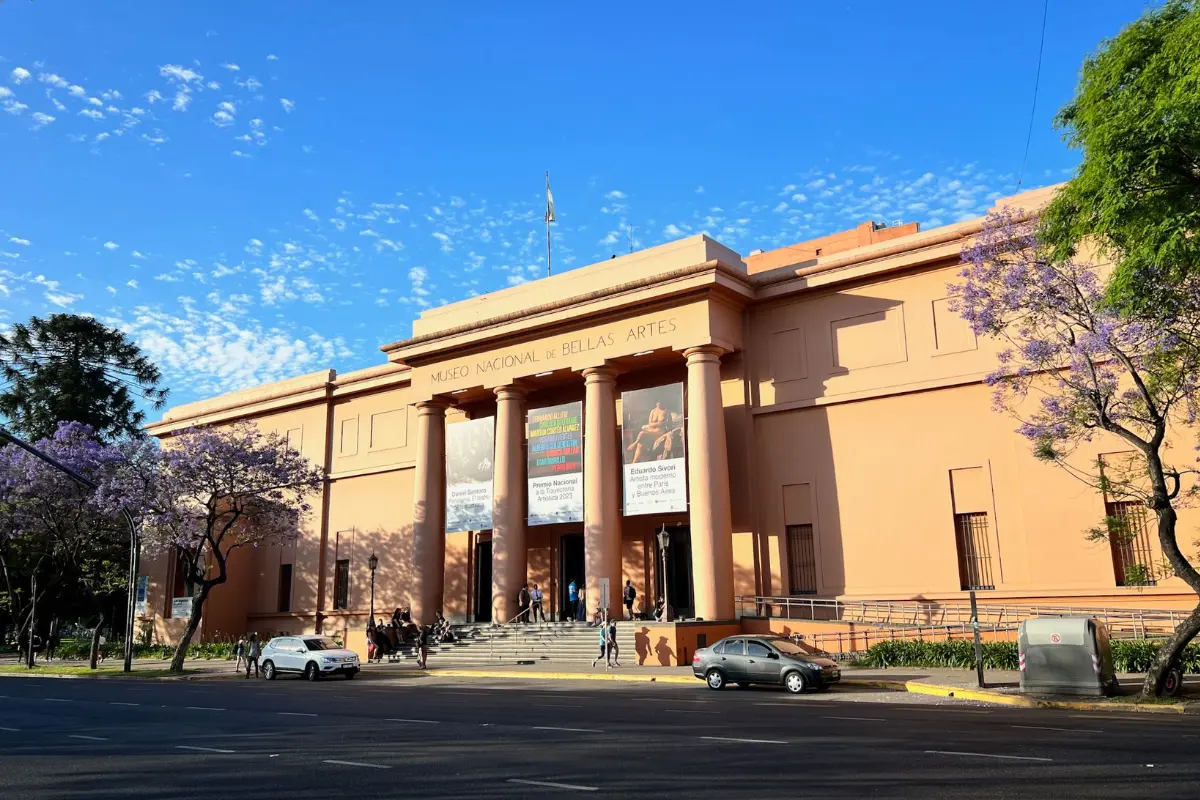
[663,652]
[641,644]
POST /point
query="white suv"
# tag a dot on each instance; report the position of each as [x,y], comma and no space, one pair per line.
[310,656]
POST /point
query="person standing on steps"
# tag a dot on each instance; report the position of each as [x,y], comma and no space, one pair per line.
[535,607]
[630,594]
[523,600]
[573,599]
[422,646]
[253,651]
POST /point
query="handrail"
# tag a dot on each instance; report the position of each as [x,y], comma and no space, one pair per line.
[909,613]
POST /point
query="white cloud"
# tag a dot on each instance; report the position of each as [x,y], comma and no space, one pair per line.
[96,101]
[699,190]
[673,231]
[167,277]
[222,119]
[176,73]
[288,105]
[227,106]
[6,92]
[137,254]
[22,242]
[91,113]
[157,138]
[75,90]
[782,207]
[272,57]
[62,299]
[213,85]
[182,101]
[132,284]
[251,84]
[231,67]
[58,104]
[110,245]
[308,212]
[154,96]
[240,154]
[111,94]
[816,184]
[799,197]
[19,75]
[42,120]
[13,107]
[446,247]
[616,194]
[110,290]
[56,81]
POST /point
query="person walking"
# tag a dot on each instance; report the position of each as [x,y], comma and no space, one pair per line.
[102,645]
[629,595]
[239,652]
[422,646]
[581,606]
[523,603]
[603,646]
[614,651]
[253,651]
[535,600]
[573,599]
[52,640]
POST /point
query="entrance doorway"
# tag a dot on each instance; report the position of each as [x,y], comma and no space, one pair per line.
[570,569]
[483,581]
[679,571]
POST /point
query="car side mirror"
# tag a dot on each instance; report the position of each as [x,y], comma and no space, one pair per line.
[773,655]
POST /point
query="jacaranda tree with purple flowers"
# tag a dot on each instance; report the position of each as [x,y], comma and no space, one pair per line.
[223,489]
[1074,368]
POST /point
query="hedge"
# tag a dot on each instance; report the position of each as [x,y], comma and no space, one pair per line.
[80,649]
[1128,655]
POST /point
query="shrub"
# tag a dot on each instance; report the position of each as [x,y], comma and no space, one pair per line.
[1128,655]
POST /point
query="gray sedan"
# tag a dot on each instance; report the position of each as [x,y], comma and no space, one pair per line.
[763,659]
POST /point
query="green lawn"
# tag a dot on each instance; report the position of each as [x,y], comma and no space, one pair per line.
[82,670]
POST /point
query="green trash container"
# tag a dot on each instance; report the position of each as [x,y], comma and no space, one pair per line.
[1066,655]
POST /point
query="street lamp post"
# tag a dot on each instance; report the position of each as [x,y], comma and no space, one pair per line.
[664,542]
[134,543]
[372,564]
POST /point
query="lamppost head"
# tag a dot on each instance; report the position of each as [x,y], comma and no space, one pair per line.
[373,562]
[664,538]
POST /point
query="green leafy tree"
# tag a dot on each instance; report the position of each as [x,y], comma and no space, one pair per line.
[68,367]
[1135,118]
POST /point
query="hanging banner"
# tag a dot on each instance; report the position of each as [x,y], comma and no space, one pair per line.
[652,443]
[470,447]
[143,587]
[555,438]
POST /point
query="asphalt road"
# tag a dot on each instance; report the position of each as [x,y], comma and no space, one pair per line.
[454,739]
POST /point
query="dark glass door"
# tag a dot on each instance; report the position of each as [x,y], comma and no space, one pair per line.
[483,581]
[571,569]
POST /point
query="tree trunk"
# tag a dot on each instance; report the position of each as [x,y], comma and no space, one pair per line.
[193,624]
[95,648]
[1168,655]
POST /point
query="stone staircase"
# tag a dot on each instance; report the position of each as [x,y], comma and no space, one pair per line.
[541,642]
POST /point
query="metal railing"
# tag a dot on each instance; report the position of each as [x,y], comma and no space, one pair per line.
[1137,622]
[849,643]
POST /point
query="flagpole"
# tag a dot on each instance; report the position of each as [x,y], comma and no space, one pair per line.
[549,219]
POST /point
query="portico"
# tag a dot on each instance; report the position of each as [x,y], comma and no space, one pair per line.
[572,352]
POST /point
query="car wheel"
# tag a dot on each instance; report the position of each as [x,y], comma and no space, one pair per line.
[715,679]
[1173,682]
[743,684]
[350,674]
[311,672]
[795,682]
[269,670]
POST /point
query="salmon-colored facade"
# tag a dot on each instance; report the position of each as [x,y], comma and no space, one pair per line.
[840,443]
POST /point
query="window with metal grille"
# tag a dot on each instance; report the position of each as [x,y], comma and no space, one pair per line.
[1129,537]
[802,559]
[974,551]
[285,587]
[341,585]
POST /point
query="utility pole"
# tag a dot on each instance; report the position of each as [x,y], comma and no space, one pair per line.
[632,228]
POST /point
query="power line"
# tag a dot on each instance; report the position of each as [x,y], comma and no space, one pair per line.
[1036,83]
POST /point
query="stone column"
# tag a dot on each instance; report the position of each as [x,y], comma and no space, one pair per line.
[708,486]
[509,554]
[601,489]
[429,513]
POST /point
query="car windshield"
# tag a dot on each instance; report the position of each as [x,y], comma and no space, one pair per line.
[322,644]
[787,647]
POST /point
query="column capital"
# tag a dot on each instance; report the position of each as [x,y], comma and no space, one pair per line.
[599,375]
[704,352]
[513,391]
[430,407]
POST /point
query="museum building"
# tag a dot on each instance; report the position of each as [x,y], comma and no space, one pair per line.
[809,421]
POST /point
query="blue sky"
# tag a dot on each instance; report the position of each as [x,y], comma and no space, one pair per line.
[258,190]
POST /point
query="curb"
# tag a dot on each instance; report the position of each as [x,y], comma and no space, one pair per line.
[1018,701]
[619,677]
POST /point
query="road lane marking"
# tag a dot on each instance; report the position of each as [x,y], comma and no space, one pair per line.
[201,708]
[88,738]
[791,703]
[743,741]
[860,719]
[124,704]
[294,714]
[203,749]
[1062,730]
[11,730]
[687,711]
[569,730]
[987,755]
[575,787]
[355,764]
[554,705]
[55,700]
[417,721]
